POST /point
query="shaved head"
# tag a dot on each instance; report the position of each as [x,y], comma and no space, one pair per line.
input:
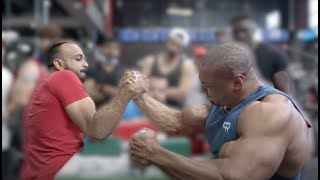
[230,59]
[227,74]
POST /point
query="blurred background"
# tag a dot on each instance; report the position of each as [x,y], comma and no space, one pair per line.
[119,35]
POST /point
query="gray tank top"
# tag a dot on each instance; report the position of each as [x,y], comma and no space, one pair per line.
[221,127]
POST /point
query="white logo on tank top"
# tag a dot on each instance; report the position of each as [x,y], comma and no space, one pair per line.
[226,126]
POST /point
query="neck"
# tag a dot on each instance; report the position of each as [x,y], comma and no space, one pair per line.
[246,92]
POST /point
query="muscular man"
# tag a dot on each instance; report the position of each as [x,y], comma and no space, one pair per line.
[271,62]
[254,131]
[61,112]
[171,63]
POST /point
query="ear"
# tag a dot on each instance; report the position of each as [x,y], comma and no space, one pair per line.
[59,64]
[238,82]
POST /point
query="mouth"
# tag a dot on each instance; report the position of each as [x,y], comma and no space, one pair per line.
[83,71]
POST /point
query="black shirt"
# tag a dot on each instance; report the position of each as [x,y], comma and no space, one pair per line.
[173,78]
[270,60]
[102,77]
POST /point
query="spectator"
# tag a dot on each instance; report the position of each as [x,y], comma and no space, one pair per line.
[271,62]
[221,36]
[33,69]
[172,64]
[7,79]
[158,87]
[103,77]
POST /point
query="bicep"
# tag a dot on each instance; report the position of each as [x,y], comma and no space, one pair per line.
[81,113]
[251,158]
[193,119]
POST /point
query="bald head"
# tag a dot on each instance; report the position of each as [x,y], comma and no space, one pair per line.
[229,59]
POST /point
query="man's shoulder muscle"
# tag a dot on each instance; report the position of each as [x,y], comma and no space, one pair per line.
[266,116]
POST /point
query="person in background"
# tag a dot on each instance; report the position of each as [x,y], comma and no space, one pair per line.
[7,79]
[220,36]
[272,63]
[32,70]
[103,76]
[197,96]
[174,65]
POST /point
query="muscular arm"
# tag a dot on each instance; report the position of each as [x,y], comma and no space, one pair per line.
[192,118]
[256,155]
[97,124]
[184,87]
[100,124]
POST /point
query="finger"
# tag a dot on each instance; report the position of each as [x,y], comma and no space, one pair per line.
[135,158]
[135,144]
[131,80]
[128,81]
[136,153]
[134,147]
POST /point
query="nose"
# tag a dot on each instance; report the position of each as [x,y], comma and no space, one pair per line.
[85,64]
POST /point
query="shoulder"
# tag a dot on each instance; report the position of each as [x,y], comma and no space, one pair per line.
[149,59]
[64,76]
[188,64]
[29,66]
[270,115]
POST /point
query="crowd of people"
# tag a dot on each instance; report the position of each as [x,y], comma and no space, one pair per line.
[173,80]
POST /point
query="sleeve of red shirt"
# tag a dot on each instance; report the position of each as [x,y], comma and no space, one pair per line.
[67,87]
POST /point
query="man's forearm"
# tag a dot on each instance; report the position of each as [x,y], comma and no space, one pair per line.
[106,118]
[163,117]
[180,167]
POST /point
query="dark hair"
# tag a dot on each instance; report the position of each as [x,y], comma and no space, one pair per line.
[240,18]
[53,52]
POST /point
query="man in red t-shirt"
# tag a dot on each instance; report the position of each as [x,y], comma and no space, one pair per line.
[61,111]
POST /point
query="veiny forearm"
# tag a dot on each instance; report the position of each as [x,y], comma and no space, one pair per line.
[180,167]
[163,117]
[107,118]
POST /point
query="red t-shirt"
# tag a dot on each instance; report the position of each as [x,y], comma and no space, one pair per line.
[51,137]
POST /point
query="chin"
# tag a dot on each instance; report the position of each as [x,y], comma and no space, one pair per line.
[82,77]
